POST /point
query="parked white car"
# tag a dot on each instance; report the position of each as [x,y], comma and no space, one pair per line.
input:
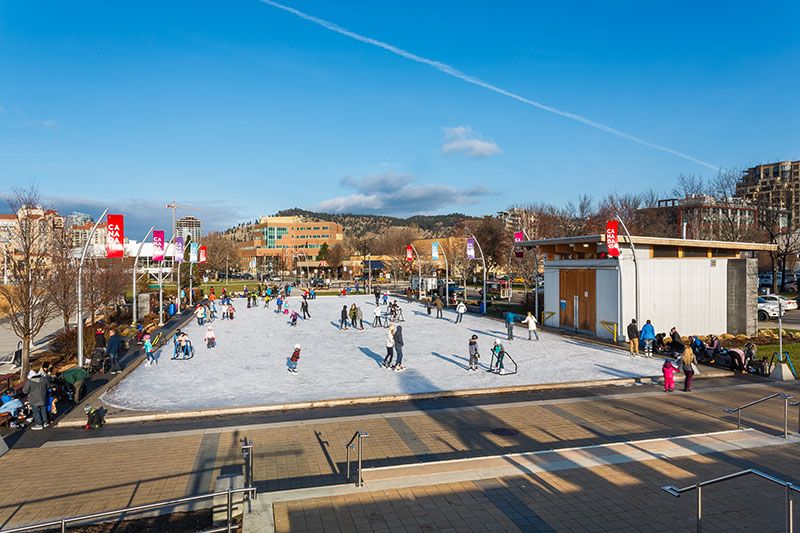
[767,310]
[787,303]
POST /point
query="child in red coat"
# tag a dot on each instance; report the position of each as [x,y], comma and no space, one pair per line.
[294,359]
[669,375]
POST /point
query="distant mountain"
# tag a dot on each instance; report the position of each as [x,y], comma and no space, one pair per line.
[357,225]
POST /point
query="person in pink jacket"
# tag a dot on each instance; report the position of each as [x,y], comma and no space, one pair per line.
[669,375]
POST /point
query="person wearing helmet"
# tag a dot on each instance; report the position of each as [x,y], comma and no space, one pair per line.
[499,353]
[294,359]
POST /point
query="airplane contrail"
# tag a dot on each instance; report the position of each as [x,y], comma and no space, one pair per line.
[454,72]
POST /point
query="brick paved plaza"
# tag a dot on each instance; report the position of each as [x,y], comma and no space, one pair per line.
[132,464]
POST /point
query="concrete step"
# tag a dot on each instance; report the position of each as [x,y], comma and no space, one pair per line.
[568,458]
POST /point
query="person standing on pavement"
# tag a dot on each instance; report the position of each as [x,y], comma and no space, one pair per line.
[647,336]
[460,310]
[530,320]
[633,337]
[36,389]
[689,366]
[113,347]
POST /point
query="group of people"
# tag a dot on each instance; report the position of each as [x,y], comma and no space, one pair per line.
[649,342]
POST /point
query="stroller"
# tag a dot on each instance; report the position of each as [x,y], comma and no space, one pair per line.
[98,361]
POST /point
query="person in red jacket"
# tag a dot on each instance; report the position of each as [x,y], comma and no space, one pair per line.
[669,369]
[294,359]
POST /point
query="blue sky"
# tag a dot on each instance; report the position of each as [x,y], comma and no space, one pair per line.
[241,109]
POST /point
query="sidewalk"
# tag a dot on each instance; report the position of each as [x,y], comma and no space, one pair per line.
[117,471]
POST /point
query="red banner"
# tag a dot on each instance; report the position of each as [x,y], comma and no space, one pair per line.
[158,245]
[612,238]
[519,236]
[115,236]
[203,255]
[409,253]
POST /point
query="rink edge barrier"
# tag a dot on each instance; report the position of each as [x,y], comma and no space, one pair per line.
[120,418]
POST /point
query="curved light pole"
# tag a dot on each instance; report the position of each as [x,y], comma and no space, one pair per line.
[135,262]
[80,287]
[483,259]
[635,267]
[446,276]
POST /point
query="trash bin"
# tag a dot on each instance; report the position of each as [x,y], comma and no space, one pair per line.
[482,308]
[171,309]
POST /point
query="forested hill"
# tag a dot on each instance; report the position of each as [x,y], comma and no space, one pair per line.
[362,224]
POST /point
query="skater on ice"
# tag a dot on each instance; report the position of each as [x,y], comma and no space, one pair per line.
[473,353]
[499,353]
[387,361]
[398,347]
[210,338]
[510,324]
[377,321]
[343,318]
[439,307]
[304,309]
[353,316]
[293,318]
[360,317]
[294,359]
[530,320]
[460,310]
[148,350]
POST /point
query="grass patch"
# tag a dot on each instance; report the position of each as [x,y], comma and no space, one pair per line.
[766,351]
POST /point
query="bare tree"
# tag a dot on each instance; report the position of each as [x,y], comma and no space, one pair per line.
[30,305]
[222,253]
[736,222]
[690,185]
[335,256]
[777,227]
[64,277]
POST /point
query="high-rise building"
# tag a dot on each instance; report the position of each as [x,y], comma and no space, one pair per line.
[521,219]
[77,218]
[773,186]
[189,227]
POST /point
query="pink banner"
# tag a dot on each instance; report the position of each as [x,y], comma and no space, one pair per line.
[115,236]
[158,245]
[519,236]
[179,249]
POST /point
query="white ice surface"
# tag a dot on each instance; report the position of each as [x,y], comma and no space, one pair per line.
[248,366]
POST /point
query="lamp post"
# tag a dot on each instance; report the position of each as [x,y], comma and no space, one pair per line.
[635,267]
[80,288]
[135,262]
[419,265]
[483,259]
[161,285]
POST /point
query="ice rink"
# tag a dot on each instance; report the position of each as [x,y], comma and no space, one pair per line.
[248,366]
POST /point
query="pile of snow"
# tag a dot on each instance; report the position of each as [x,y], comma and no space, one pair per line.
[248,366]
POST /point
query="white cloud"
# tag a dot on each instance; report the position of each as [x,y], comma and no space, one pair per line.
[463,139]
[397,194]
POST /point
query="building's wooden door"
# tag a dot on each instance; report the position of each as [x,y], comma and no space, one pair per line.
[577,290]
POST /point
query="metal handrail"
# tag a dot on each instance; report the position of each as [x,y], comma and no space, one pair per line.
[516,367]
[360,435]
[788,487]
[784,397]
[63,522]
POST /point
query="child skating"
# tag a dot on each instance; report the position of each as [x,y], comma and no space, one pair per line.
[294,359]
[499,353]
[148,350]
[210,338]
[473,353]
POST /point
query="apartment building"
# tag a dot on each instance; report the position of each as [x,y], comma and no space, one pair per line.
[189,227]
[776,185]
[704,217]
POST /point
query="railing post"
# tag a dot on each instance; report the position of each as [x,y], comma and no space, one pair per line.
[359,480]
[738,419]
[699,508]
[63,525]
[348,462]
[789,509]
[786,418]
[230,511]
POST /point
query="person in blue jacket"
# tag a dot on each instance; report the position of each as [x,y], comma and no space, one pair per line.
[647,336]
